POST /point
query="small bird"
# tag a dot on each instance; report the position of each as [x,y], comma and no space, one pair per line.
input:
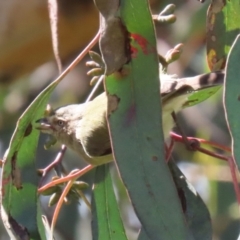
[83,127]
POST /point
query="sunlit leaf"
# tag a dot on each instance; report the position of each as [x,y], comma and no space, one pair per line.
[232,97]
[19,176]
[107,223]
[222,27]
[136,130]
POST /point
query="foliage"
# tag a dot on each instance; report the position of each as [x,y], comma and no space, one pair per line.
[161,196]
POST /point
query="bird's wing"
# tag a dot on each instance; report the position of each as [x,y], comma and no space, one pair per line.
[197,88]
[94,137]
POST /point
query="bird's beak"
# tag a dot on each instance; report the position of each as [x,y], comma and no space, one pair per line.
[43,125]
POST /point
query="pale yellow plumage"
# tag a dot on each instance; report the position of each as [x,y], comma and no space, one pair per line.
[83,127]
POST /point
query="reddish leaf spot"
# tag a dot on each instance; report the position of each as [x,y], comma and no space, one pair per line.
[143,43]
[16,173]
[134,52]
[131,113]
[154,158]
[5,181]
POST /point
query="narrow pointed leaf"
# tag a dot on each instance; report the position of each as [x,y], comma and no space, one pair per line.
[195,210]
[107,223]
[19,183]
[222,27]
[136,130]
[232,98]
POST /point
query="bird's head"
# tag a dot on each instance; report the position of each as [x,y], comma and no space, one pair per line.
[60,123]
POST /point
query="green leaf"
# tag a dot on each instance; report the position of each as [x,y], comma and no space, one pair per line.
[107,223]
[136,130]
[195,210]
[222,28]
[19,176]
[232,98]
[201,95]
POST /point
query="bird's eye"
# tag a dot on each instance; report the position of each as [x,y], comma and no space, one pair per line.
[60,123]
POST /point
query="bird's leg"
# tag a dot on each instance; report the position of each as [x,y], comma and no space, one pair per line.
[190,144]
[43,172]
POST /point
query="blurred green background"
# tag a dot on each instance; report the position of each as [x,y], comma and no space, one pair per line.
[27,65]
